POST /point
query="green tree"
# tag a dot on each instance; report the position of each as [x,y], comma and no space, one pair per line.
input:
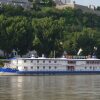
[47,34]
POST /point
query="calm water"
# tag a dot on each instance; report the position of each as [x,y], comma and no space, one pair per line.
[75,87]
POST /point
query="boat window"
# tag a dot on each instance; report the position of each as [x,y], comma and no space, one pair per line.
[37,61]
[71,62]
[24,61]
[87,62]
[31,61]
[37,67]
[90,67]
[31,67]
[55,61]
[43,67]
[49,67]
[92,62]
[43,61]
[55,67]
[16,67]
[25,68]
[49,61]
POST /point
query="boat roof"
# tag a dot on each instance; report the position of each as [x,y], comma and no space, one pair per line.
[68,59]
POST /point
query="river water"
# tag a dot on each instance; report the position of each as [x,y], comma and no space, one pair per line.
[67,87]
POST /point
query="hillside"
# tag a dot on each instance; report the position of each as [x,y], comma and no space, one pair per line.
[47,29]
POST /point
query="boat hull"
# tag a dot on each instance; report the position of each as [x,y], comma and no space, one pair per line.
[57,72]
[10,72]
[31,73]
[7,71]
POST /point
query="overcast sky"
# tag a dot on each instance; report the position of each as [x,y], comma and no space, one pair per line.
[87,2]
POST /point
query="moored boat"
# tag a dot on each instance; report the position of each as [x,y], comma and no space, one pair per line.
[42,66]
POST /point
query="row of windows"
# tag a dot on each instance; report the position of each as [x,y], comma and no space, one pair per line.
[90,67]
[40,67]
[71,62]
[39,61]
[21,4]
[93,62]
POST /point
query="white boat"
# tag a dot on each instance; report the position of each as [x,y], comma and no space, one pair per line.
[42,65]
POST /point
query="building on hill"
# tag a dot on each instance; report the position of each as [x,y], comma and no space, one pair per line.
[69,3]
[62,2]
[24,3]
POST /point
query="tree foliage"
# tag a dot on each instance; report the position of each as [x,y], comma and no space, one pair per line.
[47,29]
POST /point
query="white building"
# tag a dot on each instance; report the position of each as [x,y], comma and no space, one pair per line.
[62,2]
[23,3]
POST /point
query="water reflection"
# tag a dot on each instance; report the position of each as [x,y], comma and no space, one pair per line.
[75,87]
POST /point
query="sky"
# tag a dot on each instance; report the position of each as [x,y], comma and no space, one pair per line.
[88,2]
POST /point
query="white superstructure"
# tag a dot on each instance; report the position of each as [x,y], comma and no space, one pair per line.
[55,64]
